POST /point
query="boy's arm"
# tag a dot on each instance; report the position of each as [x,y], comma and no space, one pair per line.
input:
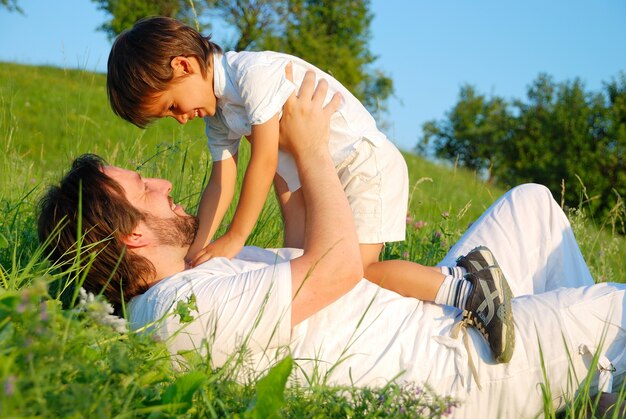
[256,185]
[217,196]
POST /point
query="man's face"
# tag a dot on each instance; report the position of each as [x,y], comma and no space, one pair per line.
[178,232]
[168,221]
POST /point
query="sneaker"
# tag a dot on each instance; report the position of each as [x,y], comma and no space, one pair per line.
[488,309]
[478,258]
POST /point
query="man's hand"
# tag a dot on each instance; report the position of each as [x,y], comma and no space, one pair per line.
[305,125]
[330,265]
[226,246]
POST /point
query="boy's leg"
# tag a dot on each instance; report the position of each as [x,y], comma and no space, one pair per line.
[406,278]
[293,211]
[532,240]
[483,295]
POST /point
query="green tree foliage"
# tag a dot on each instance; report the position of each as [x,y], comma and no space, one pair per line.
[124,13]
[11,5]
[614,164]
[257,23]
[559,134]
[334,35]
[472,132]
[331,34]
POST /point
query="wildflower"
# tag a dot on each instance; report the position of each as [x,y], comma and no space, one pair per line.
[44,316]
[100,311]
[28,342]
[419,224]
[437,234]
[405,255]
[21,308]
[9,385]
[409,220]
[449,409]
[445,214]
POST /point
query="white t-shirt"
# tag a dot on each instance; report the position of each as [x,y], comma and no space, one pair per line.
[243,302]
[247,301]
[251,87]
[372,335]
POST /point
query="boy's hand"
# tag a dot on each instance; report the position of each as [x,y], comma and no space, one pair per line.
[226,246]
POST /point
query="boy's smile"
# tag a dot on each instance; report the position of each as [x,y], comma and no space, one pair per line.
[188,95]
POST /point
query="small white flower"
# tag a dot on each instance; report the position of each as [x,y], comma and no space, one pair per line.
[100,311]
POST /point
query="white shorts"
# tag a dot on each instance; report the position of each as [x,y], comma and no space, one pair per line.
[376,182]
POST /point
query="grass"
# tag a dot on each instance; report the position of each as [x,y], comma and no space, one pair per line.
[56,362]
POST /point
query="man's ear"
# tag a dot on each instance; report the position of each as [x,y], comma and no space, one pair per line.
[181,66]
[137,238]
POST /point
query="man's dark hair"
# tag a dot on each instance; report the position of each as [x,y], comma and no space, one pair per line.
[139,67]
[87,198]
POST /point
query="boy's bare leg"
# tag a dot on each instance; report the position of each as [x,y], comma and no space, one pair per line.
[409,279]
[293,211]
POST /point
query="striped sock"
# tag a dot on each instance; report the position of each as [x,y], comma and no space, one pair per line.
[454,292]
[456,272]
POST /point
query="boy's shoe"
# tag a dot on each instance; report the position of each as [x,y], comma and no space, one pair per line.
[477,259]
[488,309]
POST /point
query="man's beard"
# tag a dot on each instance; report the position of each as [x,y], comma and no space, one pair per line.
[178,231]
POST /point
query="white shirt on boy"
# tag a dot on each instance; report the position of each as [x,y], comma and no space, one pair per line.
[251,87]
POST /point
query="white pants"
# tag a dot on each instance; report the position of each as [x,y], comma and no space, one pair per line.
[533,242]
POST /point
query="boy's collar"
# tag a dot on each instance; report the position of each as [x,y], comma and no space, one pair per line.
[219,76]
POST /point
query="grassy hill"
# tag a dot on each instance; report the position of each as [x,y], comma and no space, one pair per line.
[56,363]
[49,115]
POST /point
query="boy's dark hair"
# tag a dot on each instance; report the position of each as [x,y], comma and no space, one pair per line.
[105,215]
[139,63]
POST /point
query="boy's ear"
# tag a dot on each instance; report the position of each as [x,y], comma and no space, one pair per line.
[138,238]
[181,66]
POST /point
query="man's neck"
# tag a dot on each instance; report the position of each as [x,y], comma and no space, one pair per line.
[167,261]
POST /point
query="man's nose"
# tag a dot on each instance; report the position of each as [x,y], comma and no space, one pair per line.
[162,185]
[167,186]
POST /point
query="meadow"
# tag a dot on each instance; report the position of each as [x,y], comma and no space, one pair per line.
[73,362]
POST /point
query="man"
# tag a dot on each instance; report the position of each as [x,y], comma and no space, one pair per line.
[342,329]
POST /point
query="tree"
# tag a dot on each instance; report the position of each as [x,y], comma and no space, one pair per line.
[11,6]
[124,13]
[473,132]
[560,137]
[334,35]
[614,161]
[560,133]
[257,22]
[331,34]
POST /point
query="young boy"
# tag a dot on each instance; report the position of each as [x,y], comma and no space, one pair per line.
[162,67]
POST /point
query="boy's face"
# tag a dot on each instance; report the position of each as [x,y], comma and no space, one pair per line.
[188,95]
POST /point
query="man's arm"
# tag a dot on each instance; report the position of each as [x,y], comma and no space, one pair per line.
[331,263]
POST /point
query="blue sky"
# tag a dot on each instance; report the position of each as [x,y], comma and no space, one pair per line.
[429,48]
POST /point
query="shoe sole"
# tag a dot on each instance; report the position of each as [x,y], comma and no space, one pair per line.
[507,322]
